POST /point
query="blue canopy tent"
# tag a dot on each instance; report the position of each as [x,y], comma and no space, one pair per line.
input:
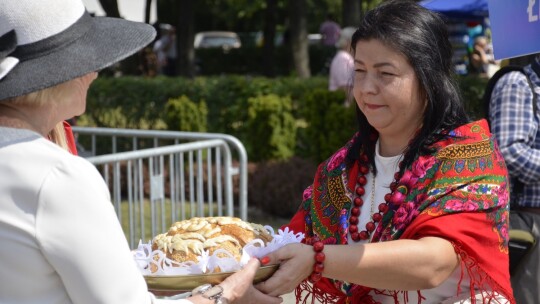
[467,19]
[459,9]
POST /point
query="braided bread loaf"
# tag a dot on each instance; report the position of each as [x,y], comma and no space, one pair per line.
[187,239]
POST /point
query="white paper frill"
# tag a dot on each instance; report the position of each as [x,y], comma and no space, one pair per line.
[145,257]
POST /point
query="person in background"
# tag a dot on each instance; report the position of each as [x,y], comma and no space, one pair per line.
[515,123]
[342,65]
[165,50]
[482,57]
[414,209]
[329,30]
[148,62]
[61,239]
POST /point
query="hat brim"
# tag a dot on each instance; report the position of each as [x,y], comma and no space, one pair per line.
[108,41]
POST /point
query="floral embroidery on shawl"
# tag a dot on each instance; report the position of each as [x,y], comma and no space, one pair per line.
[466,178]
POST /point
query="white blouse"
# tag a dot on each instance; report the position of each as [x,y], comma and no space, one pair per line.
[61,239]
[386,167]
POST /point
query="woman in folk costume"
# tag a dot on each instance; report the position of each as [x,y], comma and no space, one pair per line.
[414,209]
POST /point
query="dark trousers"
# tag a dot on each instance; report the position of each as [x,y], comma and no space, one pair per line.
[526,277]
[170,68]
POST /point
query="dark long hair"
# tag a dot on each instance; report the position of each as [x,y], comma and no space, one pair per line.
[422,37]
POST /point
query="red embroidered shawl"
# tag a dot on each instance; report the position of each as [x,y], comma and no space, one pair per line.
[459,193]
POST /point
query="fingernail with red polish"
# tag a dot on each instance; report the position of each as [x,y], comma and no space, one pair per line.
[265,260]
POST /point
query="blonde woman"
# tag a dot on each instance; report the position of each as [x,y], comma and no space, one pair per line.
[61,240]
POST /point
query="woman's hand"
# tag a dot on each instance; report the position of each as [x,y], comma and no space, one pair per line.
[296,264]
[238,288]
[479,48]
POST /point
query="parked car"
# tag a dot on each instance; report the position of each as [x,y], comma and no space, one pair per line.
[216,39]
[314,39]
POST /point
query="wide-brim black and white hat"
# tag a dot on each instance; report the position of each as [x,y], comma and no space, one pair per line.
[46,42]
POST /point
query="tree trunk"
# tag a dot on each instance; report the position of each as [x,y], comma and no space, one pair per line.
[147,9]
[299,39]
[352,11]
[185,37]
[110,7]
[269,37]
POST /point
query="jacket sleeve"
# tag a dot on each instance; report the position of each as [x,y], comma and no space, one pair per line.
[80,235]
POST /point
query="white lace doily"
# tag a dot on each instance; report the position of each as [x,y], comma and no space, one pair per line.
[145,257]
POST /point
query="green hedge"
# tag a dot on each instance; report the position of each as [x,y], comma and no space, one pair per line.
[270,128]
[274,118]
[330,124]
[472,89]
[183,114]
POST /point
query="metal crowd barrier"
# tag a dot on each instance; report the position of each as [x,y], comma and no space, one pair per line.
[159,177]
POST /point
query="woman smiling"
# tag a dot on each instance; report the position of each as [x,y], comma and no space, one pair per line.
[414,208]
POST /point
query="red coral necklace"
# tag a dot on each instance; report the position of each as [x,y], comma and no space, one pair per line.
[358,202]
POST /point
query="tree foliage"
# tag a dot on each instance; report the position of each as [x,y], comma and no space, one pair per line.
[293,19]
